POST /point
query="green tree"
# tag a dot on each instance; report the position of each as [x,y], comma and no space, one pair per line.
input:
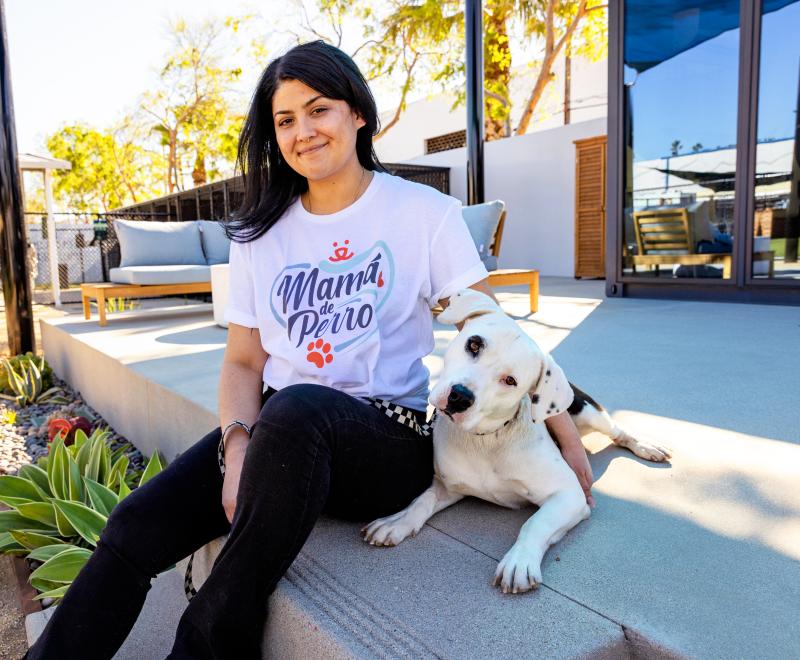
[422,42]
[193,104]
[108,170]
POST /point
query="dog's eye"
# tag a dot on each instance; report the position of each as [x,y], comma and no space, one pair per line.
[474,344]
[510,380]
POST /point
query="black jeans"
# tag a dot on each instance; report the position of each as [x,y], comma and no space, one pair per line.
[313,450]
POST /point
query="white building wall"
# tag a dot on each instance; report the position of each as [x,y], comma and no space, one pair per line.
[534,174]
[432,117]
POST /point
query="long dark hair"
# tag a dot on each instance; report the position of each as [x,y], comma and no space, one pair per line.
[270,185]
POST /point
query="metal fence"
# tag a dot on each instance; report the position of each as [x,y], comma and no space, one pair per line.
[82,251]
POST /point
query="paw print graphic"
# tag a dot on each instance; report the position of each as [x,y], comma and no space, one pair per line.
[319,353]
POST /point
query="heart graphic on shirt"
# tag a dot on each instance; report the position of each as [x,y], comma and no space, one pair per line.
[337,301]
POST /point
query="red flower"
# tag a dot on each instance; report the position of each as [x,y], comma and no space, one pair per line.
[67,428]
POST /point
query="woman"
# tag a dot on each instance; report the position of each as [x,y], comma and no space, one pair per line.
[334,267]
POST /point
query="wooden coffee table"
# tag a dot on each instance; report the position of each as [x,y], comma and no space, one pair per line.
[103,290]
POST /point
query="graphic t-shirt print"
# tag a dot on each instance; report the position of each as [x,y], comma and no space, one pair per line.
[331,308]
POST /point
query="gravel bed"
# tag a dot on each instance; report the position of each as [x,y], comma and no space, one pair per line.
[25,440]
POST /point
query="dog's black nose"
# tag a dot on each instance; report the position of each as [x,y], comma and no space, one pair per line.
[459,399]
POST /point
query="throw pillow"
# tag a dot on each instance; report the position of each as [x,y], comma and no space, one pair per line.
[482,220]
[216,245]
[144,243]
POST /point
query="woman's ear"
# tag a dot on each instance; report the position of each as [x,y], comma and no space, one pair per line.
[551,394]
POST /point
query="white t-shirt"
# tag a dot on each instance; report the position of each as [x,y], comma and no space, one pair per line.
[344,299]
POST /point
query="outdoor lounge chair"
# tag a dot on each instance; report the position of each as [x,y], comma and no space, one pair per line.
[664,237]
[486,222]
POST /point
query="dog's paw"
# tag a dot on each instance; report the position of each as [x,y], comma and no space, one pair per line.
[651,452]
[646,450]
[519,571]
[389,531]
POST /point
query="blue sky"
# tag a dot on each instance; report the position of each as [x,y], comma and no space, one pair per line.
[89,60]
[692,97]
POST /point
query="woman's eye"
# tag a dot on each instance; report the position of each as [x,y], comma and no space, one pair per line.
[284,122]
[510,380]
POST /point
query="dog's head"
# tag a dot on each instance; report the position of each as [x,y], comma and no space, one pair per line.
[491,365]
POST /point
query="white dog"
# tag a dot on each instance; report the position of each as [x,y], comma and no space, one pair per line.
[496,389]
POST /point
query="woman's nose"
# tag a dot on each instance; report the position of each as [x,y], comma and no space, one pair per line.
[305,130]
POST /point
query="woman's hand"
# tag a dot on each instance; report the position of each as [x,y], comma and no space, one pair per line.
[562,428]
[235,448]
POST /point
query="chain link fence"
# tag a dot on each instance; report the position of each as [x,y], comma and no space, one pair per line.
[81,252]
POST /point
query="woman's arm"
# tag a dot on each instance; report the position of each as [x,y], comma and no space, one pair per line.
[563,429]
[240,387]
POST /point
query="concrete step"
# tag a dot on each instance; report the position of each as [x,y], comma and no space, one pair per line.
[697,558]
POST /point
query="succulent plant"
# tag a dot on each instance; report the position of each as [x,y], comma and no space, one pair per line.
[68,427]
[60,506]
[27,385]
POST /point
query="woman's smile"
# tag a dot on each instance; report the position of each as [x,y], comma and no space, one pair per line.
[312,150]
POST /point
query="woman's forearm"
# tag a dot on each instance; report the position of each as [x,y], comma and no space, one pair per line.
[239,398]
[563,429]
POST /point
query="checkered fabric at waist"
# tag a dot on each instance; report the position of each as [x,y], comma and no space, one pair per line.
[400,414]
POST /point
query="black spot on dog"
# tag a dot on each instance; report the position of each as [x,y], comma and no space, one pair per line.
[580,400]
[474,345]
[547,373]
[535,398]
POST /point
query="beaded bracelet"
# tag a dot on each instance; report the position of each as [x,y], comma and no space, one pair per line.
[235,422]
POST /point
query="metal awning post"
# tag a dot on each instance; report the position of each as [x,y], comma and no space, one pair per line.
[473,19]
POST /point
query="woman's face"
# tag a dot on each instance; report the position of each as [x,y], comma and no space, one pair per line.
[316,135]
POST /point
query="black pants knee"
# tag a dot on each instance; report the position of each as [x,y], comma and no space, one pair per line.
[313,449]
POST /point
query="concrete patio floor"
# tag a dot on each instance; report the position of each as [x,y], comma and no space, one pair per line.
[697,558]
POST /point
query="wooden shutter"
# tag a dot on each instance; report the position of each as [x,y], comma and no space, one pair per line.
[590,207]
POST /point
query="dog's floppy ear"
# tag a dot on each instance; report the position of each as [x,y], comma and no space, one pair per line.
[551,394]
[467,304]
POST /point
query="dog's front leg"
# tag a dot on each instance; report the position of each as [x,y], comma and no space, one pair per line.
[395,528]
[521,568]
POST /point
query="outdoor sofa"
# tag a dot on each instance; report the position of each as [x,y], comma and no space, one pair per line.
[169,258]
[159,259]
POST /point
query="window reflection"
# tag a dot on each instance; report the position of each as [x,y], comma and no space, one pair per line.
[777,214]
[681,80]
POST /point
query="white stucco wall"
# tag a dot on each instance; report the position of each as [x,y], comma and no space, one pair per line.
[432,117]
[535,175]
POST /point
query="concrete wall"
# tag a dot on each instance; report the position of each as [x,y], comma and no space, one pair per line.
[535,175]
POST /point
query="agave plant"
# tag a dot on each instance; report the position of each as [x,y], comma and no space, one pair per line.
[16,361]
[27,385]
[59,507]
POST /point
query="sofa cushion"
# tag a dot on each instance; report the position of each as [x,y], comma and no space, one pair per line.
[482,220]
[216,245]
[160,274]
[143,243]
